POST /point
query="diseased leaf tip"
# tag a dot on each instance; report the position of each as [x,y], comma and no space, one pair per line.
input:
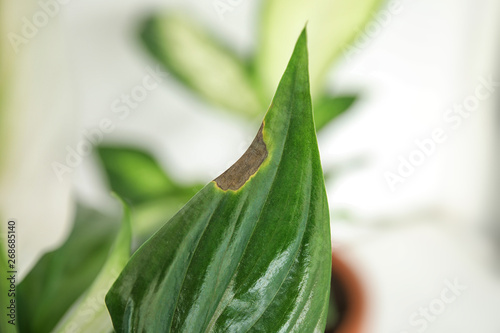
[248,164]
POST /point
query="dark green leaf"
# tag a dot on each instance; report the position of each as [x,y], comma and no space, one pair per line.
[251,251]
[153,195]
[135,175]
[328,108]
[89,313]
[60,277]
[201,62]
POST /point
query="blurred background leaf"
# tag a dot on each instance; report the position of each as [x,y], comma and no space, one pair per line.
[61,276]
[210,69]
[327,108]
[332,26]
[90,314]
[135,175]
[139,179]
[201,62]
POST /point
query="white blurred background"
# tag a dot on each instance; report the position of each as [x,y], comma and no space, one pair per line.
[406,243]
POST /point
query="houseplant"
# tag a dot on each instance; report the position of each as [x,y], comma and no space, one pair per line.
[268,213]
[93,290]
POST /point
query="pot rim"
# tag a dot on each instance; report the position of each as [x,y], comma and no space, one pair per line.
[352,321]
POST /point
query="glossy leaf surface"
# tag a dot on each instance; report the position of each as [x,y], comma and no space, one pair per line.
[251,251]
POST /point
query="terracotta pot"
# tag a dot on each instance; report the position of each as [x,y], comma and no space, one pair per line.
[348,297]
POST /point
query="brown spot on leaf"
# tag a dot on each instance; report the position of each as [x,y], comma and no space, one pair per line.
[248,164]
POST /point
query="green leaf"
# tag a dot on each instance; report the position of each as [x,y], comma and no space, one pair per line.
[251,251]
[138,178]
[328,108]
[90,314]
[332,26]
[201,62]
[60,277]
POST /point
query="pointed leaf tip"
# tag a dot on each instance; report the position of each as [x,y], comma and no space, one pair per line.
[293,88]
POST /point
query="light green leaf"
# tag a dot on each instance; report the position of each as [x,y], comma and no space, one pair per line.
[201,62]
[251,251]
[60,277]
[90,314]
[137,177]
[332,25]
[327,108]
